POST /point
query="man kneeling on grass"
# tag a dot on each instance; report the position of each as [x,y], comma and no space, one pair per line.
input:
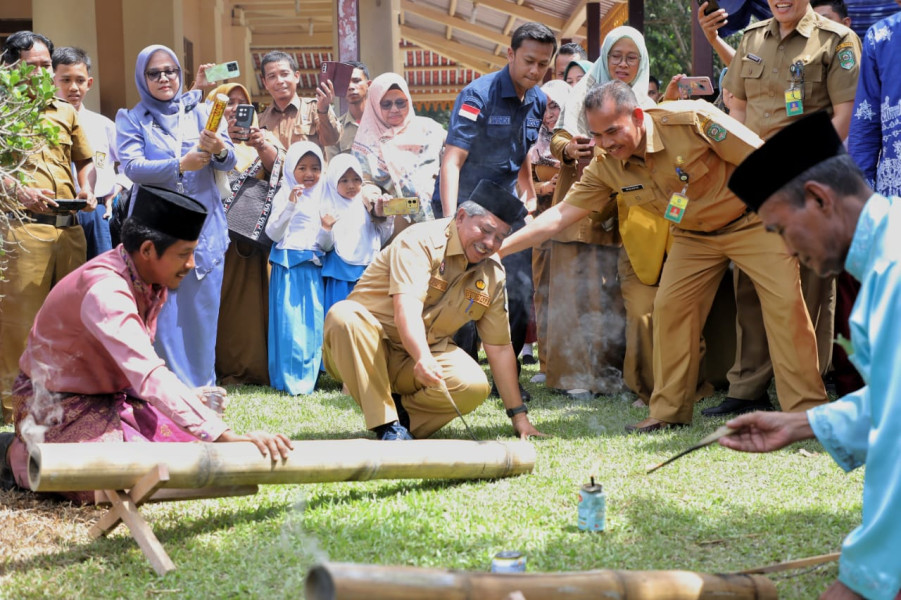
[818,201]
[394,333]
[90,373]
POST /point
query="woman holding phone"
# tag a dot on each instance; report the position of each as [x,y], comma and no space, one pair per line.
[241,343]
[163,142]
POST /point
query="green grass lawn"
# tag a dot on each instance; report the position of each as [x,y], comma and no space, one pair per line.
[712,511]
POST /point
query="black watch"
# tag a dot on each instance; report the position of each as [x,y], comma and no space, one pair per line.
[522,408]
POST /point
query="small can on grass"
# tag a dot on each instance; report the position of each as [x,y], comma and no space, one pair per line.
[592,507]
[508,561]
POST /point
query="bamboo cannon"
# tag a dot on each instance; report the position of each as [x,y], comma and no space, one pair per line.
[348,581]
[108,466]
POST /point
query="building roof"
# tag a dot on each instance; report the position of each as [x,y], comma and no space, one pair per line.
[446,43]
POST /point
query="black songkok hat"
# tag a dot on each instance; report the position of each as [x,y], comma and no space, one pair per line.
[498,201]
[169,212]
[800,146]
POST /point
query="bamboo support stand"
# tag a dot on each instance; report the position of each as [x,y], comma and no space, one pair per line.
[346,581]
[133,474]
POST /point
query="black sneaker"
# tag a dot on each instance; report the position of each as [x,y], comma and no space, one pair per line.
[393,431]
[737,406]
[528,359]
[7,480]
[526,396]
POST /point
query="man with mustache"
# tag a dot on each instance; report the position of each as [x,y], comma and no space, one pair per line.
[675,160]
[89,372]
[393,336]
[828,216]
[494,123]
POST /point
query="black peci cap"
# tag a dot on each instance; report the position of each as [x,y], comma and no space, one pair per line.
[169,212]
[800,146]
[498,201]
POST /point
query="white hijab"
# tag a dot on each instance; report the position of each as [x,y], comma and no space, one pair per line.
[305,221]
[357,240]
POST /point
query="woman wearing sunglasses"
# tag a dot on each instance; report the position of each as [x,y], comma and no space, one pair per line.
[163,143]
[399,151]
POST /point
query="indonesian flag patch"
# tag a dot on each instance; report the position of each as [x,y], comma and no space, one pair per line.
[470,112]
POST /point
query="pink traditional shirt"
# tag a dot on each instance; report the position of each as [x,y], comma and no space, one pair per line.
[94,335]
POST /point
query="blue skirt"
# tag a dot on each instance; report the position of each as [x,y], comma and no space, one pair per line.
[187,325]
[295,321]
[340,278]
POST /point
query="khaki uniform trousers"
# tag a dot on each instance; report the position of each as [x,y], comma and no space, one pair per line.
[750,375]
[357,352]
[689,282]
[638,363]
[586,319]
[541,274]
[44,255]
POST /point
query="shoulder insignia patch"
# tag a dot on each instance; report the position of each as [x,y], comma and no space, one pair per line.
[715,132]
[846,59]
[467,111]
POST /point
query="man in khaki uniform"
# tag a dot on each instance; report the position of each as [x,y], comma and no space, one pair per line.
[49,244]
[394,333]
[794,64]
[290,117]
[676,160]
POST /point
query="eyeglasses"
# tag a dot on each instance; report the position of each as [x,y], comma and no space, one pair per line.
[155,74]
[399,104]
[629,59]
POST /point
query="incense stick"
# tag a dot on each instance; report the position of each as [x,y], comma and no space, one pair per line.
[721,432]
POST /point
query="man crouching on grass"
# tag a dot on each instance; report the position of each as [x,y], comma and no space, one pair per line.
[394,333]
[807,189]
[89,372]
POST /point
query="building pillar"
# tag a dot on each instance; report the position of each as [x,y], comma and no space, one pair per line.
[380,38]
[636,14]
[145,24]
[74,26]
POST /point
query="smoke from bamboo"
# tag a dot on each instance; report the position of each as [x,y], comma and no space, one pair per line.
[96,466]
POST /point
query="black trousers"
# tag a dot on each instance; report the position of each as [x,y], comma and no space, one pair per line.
[519,301]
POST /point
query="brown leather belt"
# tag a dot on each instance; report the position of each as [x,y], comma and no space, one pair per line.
[58,221]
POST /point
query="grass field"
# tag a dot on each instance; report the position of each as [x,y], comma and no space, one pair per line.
[712,511]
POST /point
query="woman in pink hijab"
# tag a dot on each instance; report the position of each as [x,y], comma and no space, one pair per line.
[400,152]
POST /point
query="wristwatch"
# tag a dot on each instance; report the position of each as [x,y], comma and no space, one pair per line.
[522,408]
[222,155]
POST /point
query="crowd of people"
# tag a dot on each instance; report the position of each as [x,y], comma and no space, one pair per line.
[595,213]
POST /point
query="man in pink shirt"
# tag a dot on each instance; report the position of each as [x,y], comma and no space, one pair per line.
[89,372]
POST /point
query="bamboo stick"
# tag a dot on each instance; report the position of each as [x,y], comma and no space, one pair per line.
[346,581]
[93,466]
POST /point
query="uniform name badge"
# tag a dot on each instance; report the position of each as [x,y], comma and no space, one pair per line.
[675,210]
[794,105]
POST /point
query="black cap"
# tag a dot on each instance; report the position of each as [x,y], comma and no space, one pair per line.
[169,212]
[499,202]
[800,146]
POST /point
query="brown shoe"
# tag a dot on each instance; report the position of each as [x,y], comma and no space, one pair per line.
[652,425]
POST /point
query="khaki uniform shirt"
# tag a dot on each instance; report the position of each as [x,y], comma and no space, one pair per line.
[760,70]
[299,122]
[349,128]
[703,141]
[51,167]
[427,261]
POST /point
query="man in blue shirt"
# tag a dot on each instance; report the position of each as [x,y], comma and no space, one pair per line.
[874,141]
[828,216]
[495,121]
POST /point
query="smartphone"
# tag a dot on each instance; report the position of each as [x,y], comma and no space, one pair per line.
[695,86]
[712,6]
[67,205]
[339,73]
[401,206]
[222,71]
[244,120]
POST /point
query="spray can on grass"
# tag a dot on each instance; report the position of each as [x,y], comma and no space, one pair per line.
[592,507]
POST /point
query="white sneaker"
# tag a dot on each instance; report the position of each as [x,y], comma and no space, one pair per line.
[538,378]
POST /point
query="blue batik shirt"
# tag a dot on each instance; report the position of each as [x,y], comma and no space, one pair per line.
[865,426]
[496,128]
[875,137]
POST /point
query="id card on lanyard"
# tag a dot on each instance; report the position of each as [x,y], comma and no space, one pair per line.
[794,95]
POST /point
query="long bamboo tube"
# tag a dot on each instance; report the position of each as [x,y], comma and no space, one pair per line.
[96,466]
[346,581]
